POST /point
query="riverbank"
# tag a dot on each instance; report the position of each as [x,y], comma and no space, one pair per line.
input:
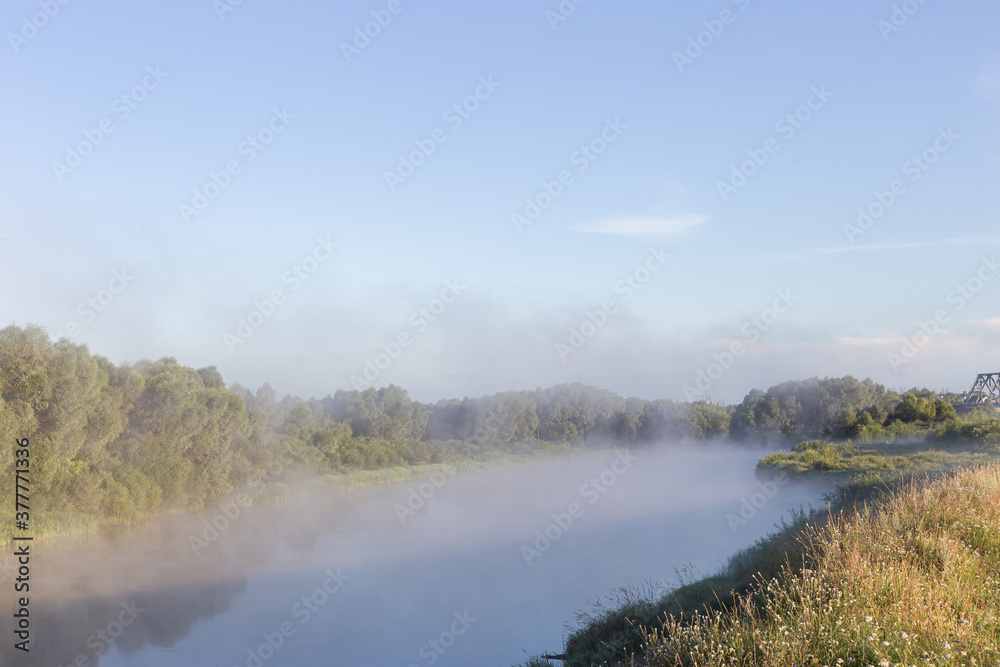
[846,461]
[900,569]
[908,579]
[46,525]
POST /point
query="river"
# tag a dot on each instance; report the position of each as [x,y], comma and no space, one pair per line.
[475,569]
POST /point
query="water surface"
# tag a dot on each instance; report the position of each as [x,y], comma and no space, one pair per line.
[449,583]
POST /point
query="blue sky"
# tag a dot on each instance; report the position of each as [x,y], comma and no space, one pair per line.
[663,133]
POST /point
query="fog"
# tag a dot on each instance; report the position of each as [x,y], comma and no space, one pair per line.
[467,230]
[446,570]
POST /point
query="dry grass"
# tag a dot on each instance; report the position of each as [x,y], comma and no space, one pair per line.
[912,580]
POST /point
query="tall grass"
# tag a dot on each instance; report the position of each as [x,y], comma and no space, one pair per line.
[50,524]
[910,580]
[888,460]
[892,574]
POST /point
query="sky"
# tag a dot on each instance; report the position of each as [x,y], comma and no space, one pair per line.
[668,200]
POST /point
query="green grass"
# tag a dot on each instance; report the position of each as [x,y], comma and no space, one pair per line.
[909,580]
[364,478]
[50,524]
[896,573]
[887,461]
[46,524]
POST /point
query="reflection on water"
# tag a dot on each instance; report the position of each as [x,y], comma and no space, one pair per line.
[351,579]
[89,626]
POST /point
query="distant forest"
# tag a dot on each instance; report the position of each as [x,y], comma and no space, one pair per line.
[129,440]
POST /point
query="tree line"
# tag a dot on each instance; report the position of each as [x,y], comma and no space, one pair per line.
[121,441]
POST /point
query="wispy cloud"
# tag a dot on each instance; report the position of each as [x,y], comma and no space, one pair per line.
[810,253]
[866,342]
[641,226]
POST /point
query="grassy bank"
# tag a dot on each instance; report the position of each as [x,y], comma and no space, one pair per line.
[364,478]
[910,580]
[886,461]
[894,575]
[56,524]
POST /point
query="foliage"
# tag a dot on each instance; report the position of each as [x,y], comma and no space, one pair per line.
[117,443]
[814,407]
[842,408]
[121,442]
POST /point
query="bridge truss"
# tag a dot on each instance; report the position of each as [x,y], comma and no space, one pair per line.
[985,391]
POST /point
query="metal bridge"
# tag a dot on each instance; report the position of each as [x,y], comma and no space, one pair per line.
[985,391]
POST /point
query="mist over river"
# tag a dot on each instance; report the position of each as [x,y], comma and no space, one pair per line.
[371,577]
